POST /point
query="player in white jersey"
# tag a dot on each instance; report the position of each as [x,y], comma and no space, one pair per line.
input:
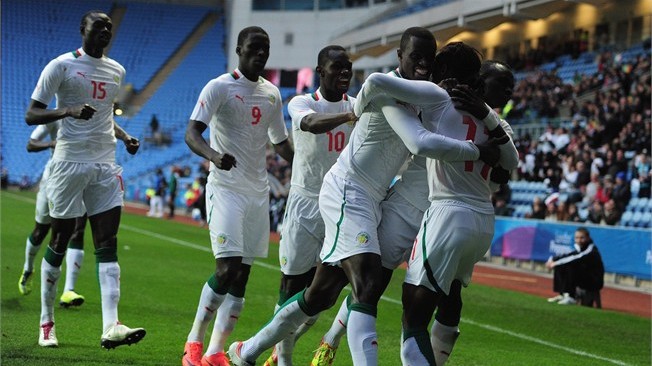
[83,174]
[321,125]
[75,253]
[349,203]
[244,112]
[402,212]
[458,226]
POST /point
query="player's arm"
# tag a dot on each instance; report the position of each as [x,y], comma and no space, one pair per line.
[323,122]
[38,114]
[131,143]
[420,141]
[199,146]
[410,91]
[284,148]
[36,145]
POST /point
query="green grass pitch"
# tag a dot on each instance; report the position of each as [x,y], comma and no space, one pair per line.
[164,265]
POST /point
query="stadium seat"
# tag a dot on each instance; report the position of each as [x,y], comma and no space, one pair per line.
[626,218]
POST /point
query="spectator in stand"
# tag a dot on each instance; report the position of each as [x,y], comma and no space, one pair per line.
[603,193]
[538,209]
[573,214]
[156,202]
[610,213]
[596,213]
[621,193]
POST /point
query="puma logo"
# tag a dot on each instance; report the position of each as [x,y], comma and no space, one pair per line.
[82,74]
[239,97]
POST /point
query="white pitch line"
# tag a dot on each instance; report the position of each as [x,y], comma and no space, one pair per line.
[384,298]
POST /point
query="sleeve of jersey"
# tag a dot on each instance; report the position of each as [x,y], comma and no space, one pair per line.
[39,133]
[49,82]
[277,132]
[508,152]
[410,91]
[423,142]
[298,108]
[208,102]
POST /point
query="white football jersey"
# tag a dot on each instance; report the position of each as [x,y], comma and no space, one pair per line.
[375,152]
[39,134]
[465,182]
[413,185]
[243,116]
[76,79]
[314,154]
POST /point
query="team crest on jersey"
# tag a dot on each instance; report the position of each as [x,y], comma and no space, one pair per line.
[272,98]
[362,238]
[284,261]
[221,238]
[116,78]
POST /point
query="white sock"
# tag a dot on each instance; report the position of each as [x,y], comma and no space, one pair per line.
[411,354]
[227,317]
[285,348]
[338,327]
[209,302]
[74,260]
[108,274]
[30,253]
[363,340]
[49,278]
[284,324]
[442,339]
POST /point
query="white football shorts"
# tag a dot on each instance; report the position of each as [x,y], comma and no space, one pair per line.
[351,217]
[74,189]
[451,241]
[238,223]
[302,235]
[398,229]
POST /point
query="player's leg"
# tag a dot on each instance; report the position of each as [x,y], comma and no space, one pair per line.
[103,200]
[32,246]
[321,295]
[74,260]
[364,272]
[445,330]
[302,236]
[65,184]
[35,239]
[419,303]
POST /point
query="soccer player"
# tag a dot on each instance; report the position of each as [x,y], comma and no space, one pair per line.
[75,254]
[244,112]
[407,200]
[458,226]
[321,126]
[83,172]
[349,202]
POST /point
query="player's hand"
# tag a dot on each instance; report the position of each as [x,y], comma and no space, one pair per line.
[499,175]
[132,144]
[84,112]
[469,101]
[448,84]
[224,161]
[352,119]
[489,153]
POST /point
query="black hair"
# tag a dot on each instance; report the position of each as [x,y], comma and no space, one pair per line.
[88,14]
[322,57]
[462,62]
[490,66]
[249,30]
[418,32]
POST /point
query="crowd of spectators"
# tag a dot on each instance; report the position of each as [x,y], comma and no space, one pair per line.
[602,158]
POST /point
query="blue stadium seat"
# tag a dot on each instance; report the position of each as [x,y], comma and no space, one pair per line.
[626,218]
